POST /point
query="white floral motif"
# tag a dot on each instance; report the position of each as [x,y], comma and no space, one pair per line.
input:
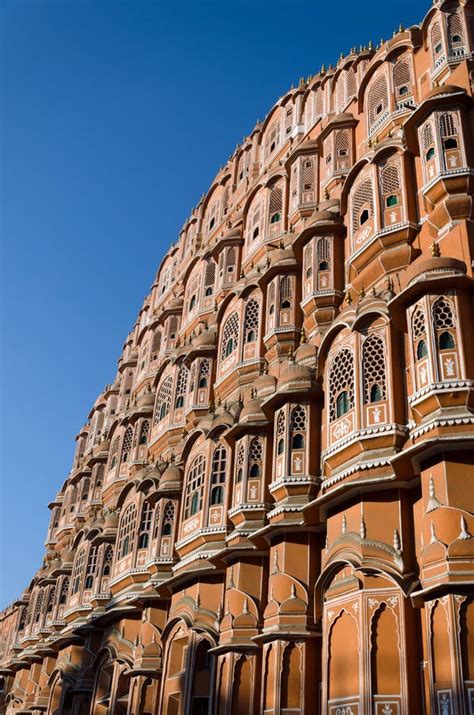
[377,414]
[372,602]
[423,374]
[449,367]
[453,161]
[342,428]
[387,710]
[298,463]
[393,218]
[253,492]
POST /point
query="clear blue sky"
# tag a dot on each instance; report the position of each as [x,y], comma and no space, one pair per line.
[114,118]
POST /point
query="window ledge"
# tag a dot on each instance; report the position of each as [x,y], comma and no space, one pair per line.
[445,386]
[390,428]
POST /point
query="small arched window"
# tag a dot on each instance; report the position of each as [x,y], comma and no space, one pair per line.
[446,341]
[341,384]
[255,458]
[342,404]
[281,446]
[163,399]
[168,520]
[230,335]
[194,487]
[144,430]
[421,350]
[297,441]
[145,525]
[218,474]
[373,369]
[192,303]
[127,530]
[251,320]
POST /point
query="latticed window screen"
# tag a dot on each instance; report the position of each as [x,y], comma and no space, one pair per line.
[156,344]
[181,385]
[127,444]
[77,570]
[127,531]
[239,462]
[251,320]
[218,474]
[390,178]
[340,92]
[276,202]
[436,39]
[341,147]
[307,180]
[455,31]
[323,252]
[230,258]
[144,430]
[363,198]
[308,259]
[288,120]
[351,83]
[427,138]
[38,605]
[173,326]
[168,519]
[212,216]
[230,335]
[194,487]
[318,104]
[448,125]
[210,274]
[373,369]
[271,294]
[51,597]
[254,222]
[298,419]
[255,460]
[204,371]
[163,399]
[418,328]
[402,76]
[145,525]
[341,379]
[281,424]
[273,138]
[91,567]
[443,314]
[308,112]
[377,99]
[286,288]
[107,560]
[64,590]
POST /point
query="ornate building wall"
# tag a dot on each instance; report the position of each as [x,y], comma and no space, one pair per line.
[270,509]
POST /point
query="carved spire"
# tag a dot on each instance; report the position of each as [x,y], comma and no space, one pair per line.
[464,535]
[433,502]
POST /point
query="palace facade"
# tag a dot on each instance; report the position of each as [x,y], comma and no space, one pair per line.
[270,508]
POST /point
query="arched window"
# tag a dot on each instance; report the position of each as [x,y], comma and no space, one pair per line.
[418,332]
[218,474]
[192,303]
[204,370]
[443,321]
[38,605]
[253,221]
[436,41]
[145,525]
[78,569]
[286,292]
[51,597]
[91,568]
[251,320]
[255,461]
[377,102]
[163,399]
[298,427]
[181,386]
[448,127]
[341,384]
[156,344]
[114,452]
[341,146]
[127,531]
[421,350]
[390,184]
[427,141]
[127,444]
[402,78]
[168,519]
[455,34]
[362,204]
[373,369]
[275,204]
[446,341]
[64,591]
[209,277]
[230,335]
[144,430]
[239,464]
[107,560]
[194,486]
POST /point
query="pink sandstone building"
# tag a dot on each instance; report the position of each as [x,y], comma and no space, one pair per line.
[270,509]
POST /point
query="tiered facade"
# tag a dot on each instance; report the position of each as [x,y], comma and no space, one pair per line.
[270,509]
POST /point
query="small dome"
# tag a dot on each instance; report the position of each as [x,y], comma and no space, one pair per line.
[111,520]
[206,338]
[251,411]
[306,355]
[171,475]
[282,255]
[445,89]
[294,376]
[265,385]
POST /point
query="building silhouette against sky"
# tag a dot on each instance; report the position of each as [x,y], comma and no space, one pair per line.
[270,509]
